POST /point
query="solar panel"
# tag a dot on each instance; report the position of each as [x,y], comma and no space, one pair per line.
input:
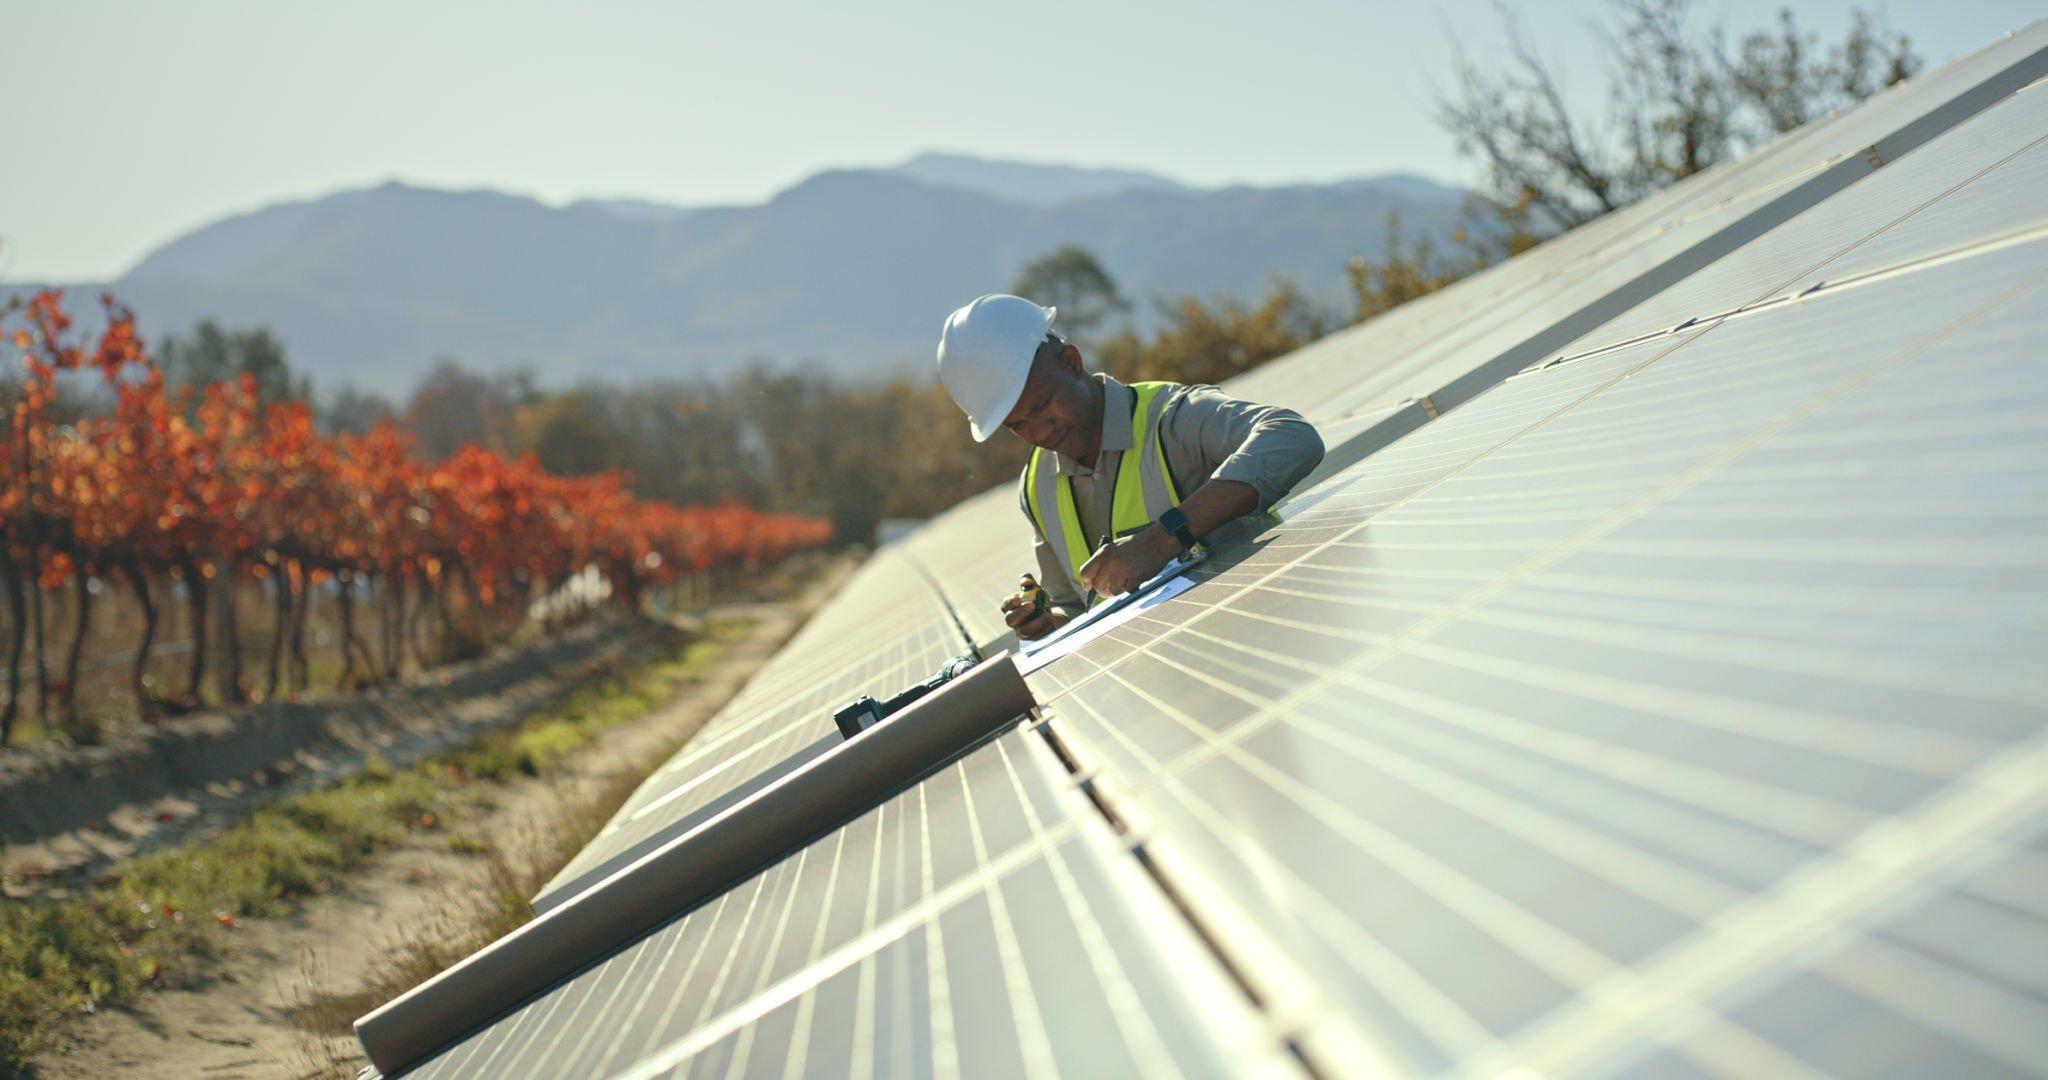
[1452,344]
[1656,662]
[973,579]
[1665,698]
[887,630]
[906,933]
[1975,184]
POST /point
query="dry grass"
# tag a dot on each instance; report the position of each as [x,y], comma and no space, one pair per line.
[487,908]
[160,918]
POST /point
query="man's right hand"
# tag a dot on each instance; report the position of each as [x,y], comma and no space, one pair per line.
[1027,612]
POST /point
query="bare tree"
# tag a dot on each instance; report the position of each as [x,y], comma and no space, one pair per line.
[1680,100]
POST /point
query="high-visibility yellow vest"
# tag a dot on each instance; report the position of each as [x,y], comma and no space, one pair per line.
[1144,486]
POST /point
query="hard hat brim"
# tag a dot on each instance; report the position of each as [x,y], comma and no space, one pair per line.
[984,423]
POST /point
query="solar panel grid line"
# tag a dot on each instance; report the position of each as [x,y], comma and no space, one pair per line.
[1558,278]
[1987,685]
[2004,199]
[1890,745]
[1720,794]
[1409,467]
[1511,759]
[701,1036]
[1428,317]
[1335,1043]
[2020,887]
[736,900]
[545,1015]
[1533,349]
[1412,992]
[1934,753]
[640,960]
[1113,726]
[843,666]
[973,579]
[820,666]
[813,664]
[799,1044]
[1273,1021]
[694,786]
[1570,961]
[1563,957]
[1694,300]
[1972,921]
[1126,1007]
[891,590]
[709,999]
[2002,1025]
[1554,274]
[1987,145]
[2017,237]
[1035,1044]
[1803,912]
[1296,993]
[803,712]
[514,1035]
[944,1044]
[1523,433]
[1801,597]
[1584,387]
[1985,75]
[1946,164]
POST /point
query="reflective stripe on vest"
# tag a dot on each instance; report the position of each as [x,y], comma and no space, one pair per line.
[1144,486]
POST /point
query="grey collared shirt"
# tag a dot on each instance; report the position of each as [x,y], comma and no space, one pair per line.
[1205,434]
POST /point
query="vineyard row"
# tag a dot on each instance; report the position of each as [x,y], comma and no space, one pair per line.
[176,495]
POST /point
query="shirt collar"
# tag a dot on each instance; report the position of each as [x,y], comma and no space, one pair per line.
[1117,402]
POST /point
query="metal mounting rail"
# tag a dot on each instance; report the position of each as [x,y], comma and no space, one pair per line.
[689,870]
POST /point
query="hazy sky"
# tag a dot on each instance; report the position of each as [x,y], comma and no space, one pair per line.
[134,122]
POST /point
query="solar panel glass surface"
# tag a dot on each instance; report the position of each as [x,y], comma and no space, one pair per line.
[1674,708]
[1656,662]
[979,919]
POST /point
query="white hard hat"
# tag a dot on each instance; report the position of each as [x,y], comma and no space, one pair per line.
[985,355]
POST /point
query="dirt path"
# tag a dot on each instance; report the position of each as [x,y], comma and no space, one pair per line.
[237,1024]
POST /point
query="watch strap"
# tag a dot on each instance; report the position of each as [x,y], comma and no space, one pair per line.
[1175,522]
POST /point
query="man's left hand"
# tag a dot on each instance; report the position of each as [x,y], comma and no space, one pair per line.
[1123,565]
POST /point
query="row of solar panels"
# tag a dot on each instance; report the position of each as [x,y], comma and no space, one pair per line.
[1661,694]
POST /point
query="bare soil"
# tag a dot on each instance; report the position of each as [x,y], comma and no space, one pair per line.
[239,1021]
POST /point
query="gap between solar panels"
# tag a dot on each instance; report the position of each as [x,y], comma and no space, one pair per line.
[1992,245]
[759,829]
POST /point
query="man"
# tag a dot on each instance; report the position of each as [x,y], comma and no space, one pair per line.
[1149,468]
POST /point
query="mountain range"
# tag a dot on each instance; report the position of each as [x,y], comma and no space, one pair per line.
[854,268]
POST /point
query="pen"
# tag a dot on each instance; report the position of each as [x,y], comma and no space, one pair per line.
[1090,602]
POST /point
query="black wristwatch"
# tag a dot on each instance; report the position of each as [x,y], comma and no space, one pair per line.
[1175,522]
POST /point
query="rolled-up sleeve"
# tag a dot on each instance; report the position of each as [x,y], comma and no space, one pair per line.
[1266,446]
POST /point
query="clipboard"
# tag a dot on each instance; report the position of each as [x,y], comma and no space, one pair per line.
[1166,584]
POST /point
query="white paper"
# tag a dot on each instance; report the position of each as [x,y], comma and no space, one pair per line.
[1037,654]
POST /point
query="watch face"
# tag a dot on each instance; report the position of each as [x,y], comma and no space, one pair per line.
[1176,522]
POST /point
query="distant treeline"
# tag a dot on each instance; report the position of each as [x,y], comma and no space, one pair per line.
[798,438]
